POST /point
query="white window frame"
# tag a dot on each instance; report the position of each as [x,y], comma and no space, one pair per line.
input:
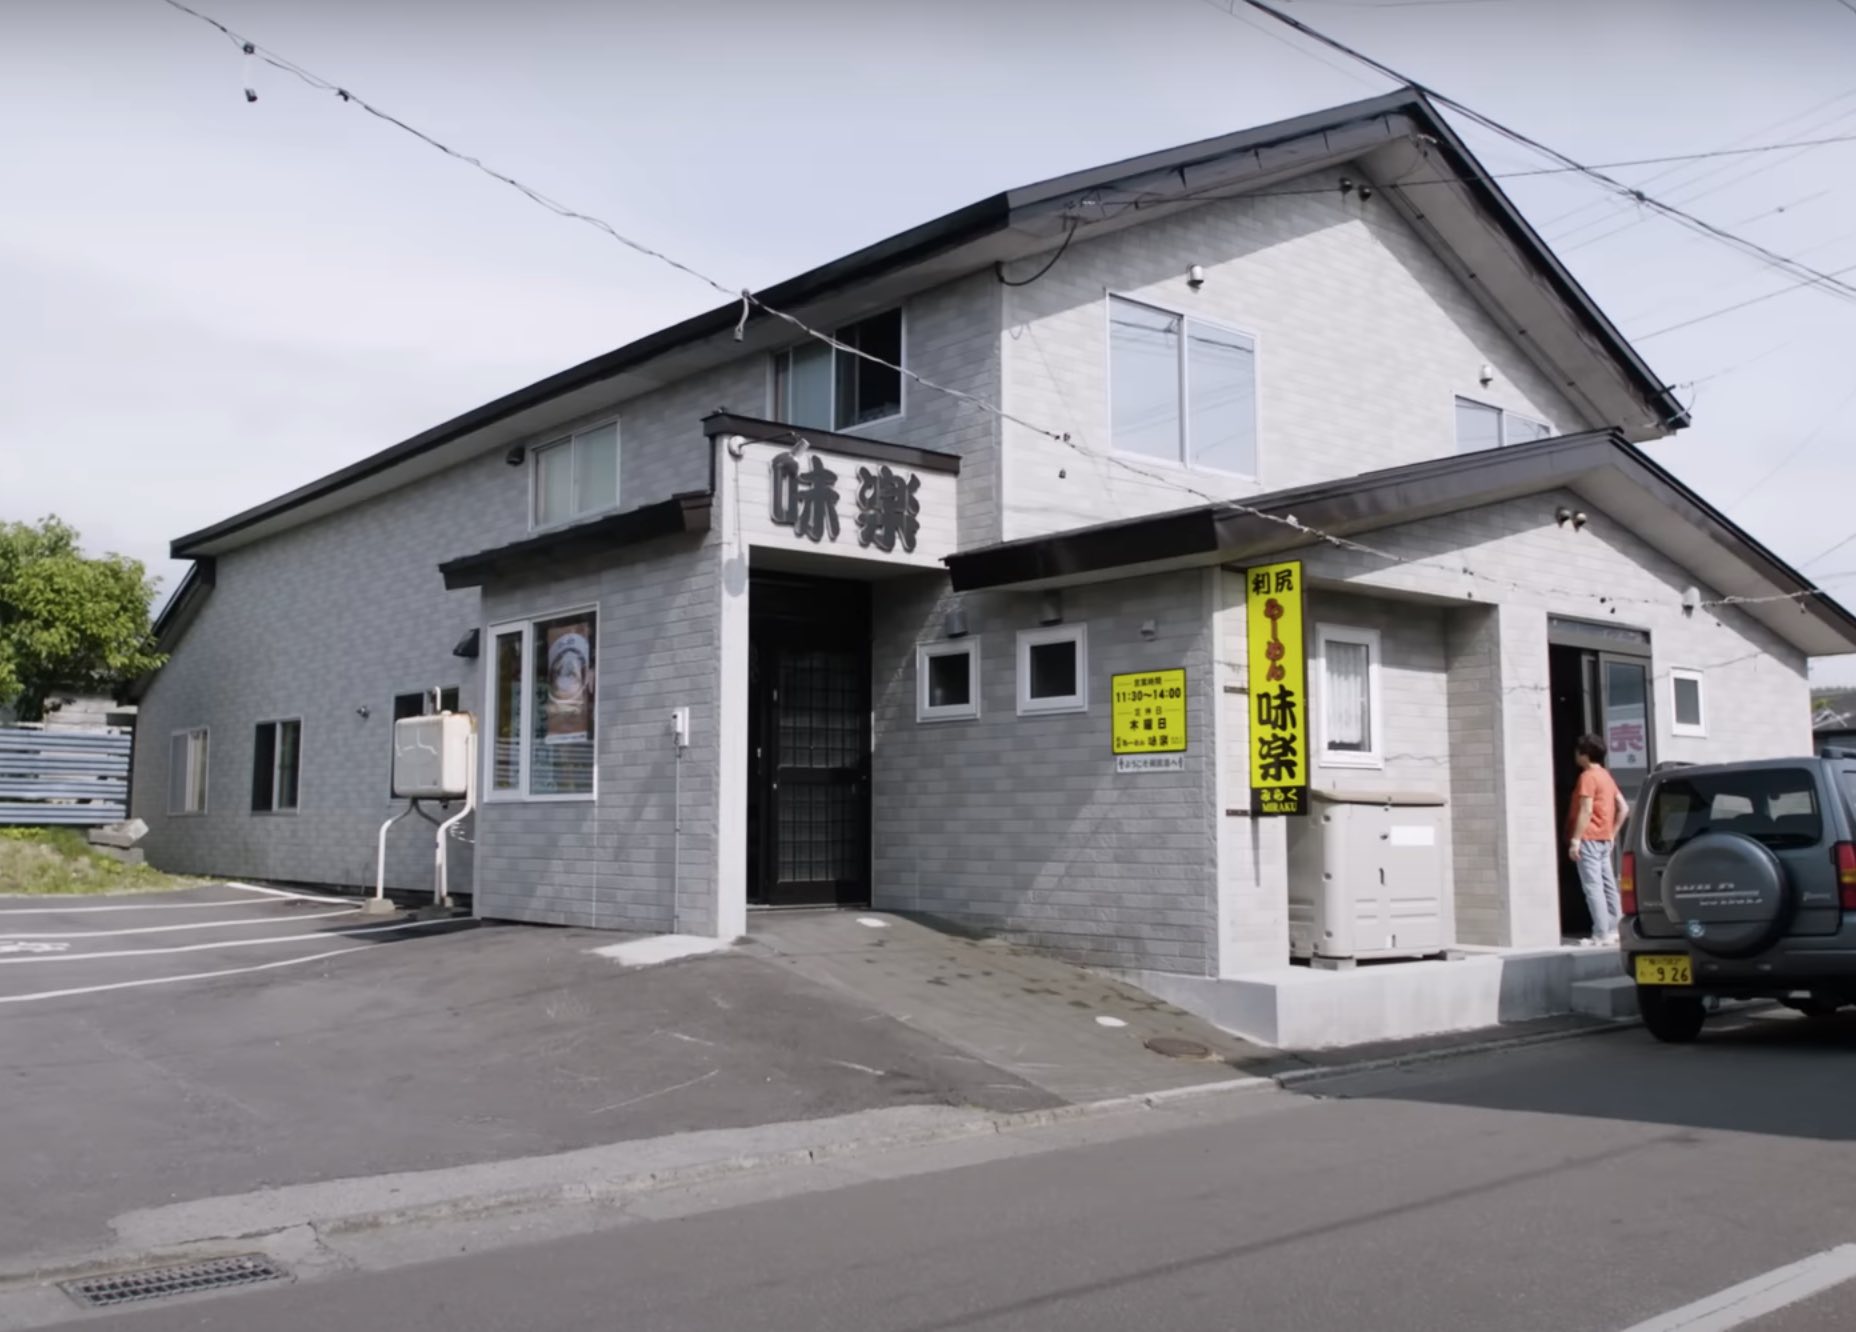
[1182,463]
[525,728]
[186,784]
[1502,417]
[774,408]
[1056,633]
[1696,730]
[948,647]
[535,451]
[1374,756]
[276,750]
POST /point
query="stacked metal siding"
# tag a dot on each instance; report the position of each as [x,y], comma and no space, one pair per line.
[66,777]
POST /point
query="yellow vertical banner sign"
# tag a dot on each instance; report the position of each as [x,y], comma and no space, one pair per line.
[1278,670]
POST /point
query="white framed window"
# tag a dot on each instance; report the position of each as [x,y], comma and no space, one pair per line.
[187,755]
[1351,724]
[1481,426]
[1181,390]
[575,476]
[276,766]
[1688,714]
[1053,669]
[541,708]
[818,385]
[947,680]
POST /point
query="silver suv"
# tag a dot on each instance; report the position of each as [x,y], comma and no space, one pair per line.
[1739,880]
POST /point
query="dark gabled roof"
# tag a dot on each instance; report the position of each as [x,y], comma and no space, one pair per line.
[995,228]
[1638,496]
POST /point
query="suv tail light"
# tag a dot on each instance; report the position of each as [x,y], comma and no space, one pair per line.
[1627,879]
[1844,853]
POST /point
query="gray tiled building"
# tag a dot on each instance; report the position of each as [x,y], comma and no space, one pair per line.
[896,602]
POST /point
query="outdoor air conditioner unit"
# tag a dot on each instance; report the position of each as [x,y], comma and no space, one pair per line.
[431,757]
[1367,877]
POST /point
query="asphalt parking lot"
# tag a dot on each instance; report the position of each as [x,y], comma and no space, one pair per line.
[188,1045]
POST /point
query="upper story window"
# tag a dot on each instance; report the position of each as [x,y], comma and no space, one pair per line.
[577,475]
[1480,426]
[1182,390]
[819,386]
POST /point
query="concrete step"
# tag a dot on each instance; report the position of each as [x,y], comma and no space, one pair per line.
[1605,997]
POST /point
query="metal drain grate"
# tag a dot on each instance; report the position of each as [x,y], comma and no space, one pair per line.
[158,1283]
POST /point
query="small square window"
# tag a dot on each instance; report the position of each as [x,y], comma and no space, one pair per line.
[947,680]
[1053,669]
[1687,715]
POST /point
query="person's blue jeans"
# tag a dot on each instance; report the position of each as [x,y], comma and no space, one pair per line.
[1599,879]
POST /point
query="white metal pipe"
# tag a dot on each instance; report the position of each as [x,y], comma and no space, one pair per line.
[380,852]
[441,895]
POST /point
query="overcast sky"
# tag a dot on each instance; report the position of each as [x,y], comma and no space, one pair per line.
[205,302]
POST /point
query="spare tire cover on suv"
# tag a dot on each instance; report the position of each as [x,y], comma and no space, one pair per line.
[1729,893]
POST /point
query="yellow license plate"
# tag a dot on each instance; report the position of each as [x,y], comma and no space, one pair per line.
[1664,969]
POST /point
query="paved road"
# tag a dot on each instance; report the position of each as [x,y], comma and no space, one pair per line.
[162,1048]
[1579,1187]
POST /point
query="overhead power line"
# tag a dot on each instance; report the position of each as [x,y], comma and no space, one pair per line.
[1689,220]
[749,302]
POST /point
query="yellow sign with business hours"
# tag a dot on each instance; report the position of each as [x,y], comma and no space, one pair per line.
[1150,712]
[1278,667]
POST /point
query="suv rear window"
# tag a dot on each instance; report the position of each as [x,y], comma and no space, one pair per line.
[1777,806]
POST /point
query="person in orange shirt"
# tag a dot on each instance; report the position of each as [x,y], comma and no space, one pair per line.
[1598,810]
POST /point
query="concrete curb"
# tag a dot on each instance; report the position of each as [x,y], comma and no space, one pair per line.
[465,1204]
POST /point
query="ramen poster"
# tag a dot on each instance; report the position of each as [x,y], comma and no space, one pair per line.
[569,706]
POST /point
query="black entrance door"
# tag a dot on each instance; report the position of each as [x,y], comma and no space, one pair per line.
[809,732]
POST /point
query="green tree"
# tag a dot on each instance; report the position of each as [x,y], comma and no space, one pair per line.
[67,620]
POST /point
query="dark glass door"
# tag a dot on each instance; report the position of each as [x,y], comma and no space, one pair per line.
[809,769]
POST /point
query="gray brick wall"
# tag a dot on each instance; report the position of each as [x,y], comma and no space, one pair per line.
[1756,687]
[1477,790]
[1364,339]
[341,614]
[1021,824]
[612,862]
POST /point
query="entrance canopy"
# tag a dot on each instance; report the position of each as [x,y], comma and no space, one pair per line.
[1598,466]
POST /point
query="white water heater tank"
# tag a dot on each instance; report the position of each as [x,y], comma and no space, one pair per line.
[431,757]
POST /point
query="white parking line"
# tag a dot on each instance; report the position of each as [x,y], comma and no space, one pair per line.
[1764,1294]
[226,943]
[171,980]
[269,894]
[8,935]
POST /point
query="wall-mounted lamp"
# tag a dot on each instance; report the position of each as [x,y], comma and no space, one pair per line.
[1150,630]
[469,646]
[517,455]
[1485,375]
[363,712]
[1195,276]
[1050,608]
[1579,520]
[1691,600]
[1562,515]
[955,625]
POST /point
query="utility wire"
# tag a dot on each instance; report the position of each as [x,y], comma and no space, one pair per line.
[1689,220]
[1737,305]
[749,300]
